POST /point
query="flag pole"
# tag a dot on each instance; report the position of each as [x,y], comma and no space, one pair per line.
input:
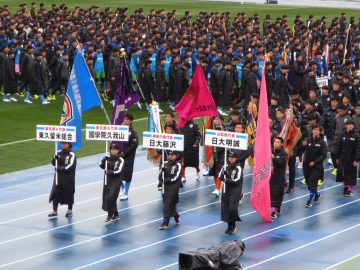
[106,163]
[225,164]
[56,166]
[162,171]
[346,44]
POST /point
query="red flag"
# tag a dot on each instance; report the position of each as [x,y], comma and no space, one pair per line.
[197,101]
[260,191]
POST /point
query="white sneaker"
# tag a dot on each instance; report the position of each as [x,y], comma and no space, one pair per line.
[6,100]
[329,161]
[13,99]
[45,102]
[300,165]
[123,197]
[198,176]
[28,101]
[216,193]
[205,173]
[183,180]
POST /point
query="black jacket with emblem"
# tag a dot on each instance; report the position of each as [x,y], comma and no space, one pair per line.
[192,136]
[66,166]
[129,154]
[111,189]
[170,175]
[347,150]
[232,176]
[315,151]
[277,180]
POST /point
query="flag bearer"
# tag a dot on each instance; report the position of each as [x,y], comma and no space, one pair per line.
[63,191]
[112,181]
[129,156]
[277,181]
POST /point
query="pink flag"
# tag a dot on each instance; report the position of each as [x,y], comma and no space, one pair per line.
[260,191]
[197,101]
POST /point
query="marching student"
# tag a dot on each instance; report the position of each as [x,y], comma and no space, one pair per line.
[192,136]
[112,166]
[232,176]
[63,192]
[347,154]
[314,155]
[277,181]
[170,175]
[129,156]
[218,156]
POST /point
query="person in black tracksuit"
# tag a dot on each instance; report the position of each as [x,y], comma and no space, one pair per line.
[129,156]
[192,136]
[170,175]
[63,193]
[112,166]
[315,153]
[232,176]
[277,181]
[347,154]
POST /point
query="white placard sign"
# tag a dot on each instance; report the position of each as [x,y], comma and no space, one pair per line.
[322,81]
[55,133]
[163,141]
[226,139]
[107,132]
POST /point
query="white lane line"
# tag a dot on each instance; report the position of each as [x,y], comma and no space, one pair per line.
[95,217]
[102,236]
[90,200]
[284,225]
[77,187]
[136,226]
[342,262]
[303,246]
[214,224]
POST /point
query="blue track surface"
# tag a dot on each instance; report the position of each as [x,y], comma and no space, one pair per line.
[300,238]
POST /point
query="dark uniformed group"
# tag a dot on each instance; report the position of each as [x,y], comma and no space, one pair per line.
[38,47]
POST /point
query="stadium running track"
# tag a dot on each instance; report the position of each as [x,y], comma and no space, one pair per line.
[301,238]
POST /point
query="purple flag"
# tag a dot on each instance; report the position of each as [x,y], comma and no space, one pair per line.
[124,97]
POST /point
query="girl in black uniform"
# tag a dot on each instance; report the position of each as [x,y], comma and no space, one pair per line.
[112,167]
[63,191]
[232,176]
[170,174]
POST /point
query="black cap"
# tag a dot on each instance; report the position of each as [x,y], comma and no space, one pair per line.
[233,153]
[173,152]
[114,146]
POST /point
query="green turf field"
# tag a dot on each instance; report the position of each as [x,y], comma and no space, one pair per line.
[18,120]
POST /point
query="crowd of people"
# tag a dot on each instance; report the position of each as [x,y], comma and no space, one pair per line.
[39,45]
